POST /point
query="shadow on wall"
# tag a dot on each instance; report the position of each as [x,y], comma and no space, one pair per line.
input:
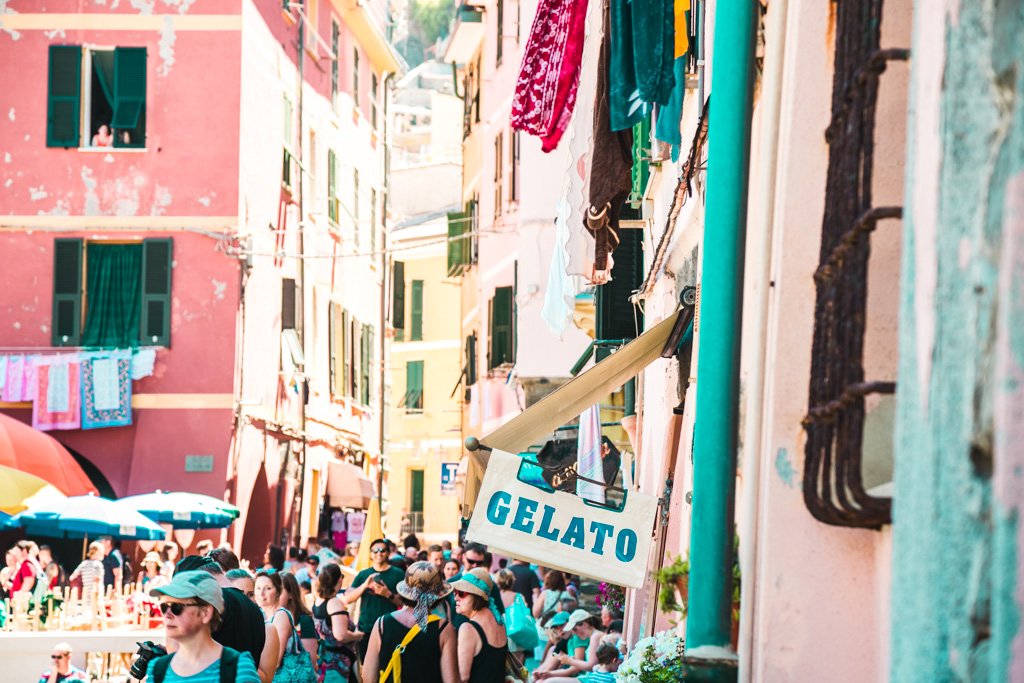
[259,521]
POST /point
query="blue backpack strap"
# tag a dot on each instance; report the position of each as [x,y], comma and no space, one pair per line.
[228,666]
[160,667]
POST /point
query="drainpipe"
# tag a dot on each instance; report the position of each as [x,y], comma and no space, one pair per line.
[715,440]
[300,309]
[385,267]
[760,271]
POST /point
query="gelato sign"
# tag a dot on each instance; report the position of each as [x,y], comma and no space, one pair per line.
[559,529]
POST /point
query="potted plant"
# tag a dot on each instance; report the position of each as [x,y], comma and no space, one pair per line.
[674,579]
[656,659]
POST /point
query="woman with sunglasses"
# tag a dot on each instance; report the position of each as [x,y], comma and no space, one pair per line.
[192,605]
[375,588]
[483,643]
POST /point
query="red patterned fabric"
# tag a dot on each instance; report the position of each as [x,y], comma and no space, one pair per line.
[550,74]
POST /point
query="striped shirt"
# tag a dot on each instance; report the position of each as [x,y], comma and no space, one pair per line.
[91,572]
[246,672]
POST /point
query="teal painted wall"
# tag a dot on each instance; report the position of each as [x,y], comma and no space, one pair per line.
[959,439]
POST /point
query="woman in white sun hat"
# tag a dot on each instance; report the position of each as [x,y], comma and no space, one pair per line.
[582,651]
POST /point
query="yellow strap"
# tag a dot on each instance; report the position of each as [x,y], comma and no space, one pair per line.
[395,665]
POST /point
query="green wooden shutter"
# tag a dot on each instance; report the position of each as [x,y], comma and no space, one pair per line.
[353,357]
[416,491]
[332,186]
[130,93]
[155,327]
[416,333]
[64,97]
[414,385]
[67,292]
[501,311]
[616,318]
[346,355]
[332,340]
[398,299]
[370,394]
[471,360]
[365,351]
[641,152]
[457,248]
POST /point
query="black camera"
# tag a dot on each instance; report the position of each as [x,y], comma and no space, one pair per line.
[148,651]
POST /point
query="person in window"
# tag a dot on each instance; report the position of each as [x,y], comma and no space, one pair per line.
[103,137]
[126,137]
[62,669]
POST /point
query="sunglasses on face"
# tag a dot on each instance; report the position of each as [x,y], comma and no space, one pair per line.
[56,657]
[461,594]
[475,563]
[378,550]
[176,608]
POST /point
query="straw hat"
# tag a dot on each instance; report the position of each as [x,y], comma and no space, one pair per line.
[480,584]
[152,556]
[423,579]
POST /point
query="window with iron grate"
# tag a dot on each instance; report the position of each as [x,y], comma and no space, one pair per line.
[833,484]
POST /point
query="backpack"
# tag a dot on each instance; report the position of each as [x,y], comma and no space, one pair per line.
[228,666]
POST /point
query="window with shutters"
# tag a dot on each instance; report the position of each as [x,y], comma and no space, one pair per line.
[332,187]
[112,295]
[462,242]
[398,299]
[290,165]
[499,44]
[340,343]
[355,207]
[373,221]
[471,360]
[641,170]
[617,319]
[373,101]
[501,316]
[416,322]
[96,98]
[412,401]
[513,189]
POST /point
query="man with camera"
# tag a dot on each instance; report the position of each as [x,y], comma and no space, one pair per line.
[375,586]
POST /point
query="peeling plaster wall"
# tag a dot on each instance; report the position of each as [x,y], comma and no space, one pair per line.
[960,451]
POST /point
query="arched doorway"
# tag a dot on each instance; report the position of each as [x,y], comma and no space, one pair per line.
[259,521]
[96,476]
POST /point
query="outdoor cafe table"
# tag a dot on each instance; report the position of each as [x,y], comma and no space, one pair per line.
[25,655]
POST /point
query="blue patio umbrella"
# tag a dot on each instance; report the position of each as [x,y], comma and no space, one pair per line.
[183,510]
[80,516]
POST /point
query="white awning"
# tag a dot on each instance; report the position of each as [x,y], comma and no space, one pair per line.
[567,402]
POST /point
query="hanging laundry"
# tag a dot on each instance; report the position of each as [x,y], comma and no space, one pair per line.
[142,363]
[611,161]
[545,93]
[59,406]
[107,390]
[560,293]
[682,19]
[653,48]
[3,373]
[588,456]
[28,378]
[15,378]
[626,107]
[669,117]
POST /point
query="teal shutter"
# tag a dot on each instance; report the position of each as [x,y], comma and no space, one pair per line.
[344,342]
[369,378]
[457,246]
[129,95]
[155,327]
[64,96]
[416,333]
[129,87]
[501,312]
[353,358]
[67,292]
[471,360]
[413,385]
[398,299]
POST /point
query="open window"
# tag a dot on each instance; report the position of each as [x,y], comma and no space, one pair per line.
[112,295]
[96,97]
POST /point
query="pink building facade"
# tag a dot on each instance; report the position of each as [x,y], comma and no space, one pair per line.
[202,99]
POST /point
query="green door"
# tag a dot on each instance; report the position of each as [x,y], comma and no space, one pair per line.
[416,490]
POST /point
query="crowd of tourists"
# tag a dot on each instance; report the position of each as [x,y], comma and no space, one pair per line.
[440,614]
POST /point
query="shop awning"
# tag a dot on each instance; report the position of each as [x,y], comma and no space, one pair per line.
[567,402]
[348,486]
[30,450]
